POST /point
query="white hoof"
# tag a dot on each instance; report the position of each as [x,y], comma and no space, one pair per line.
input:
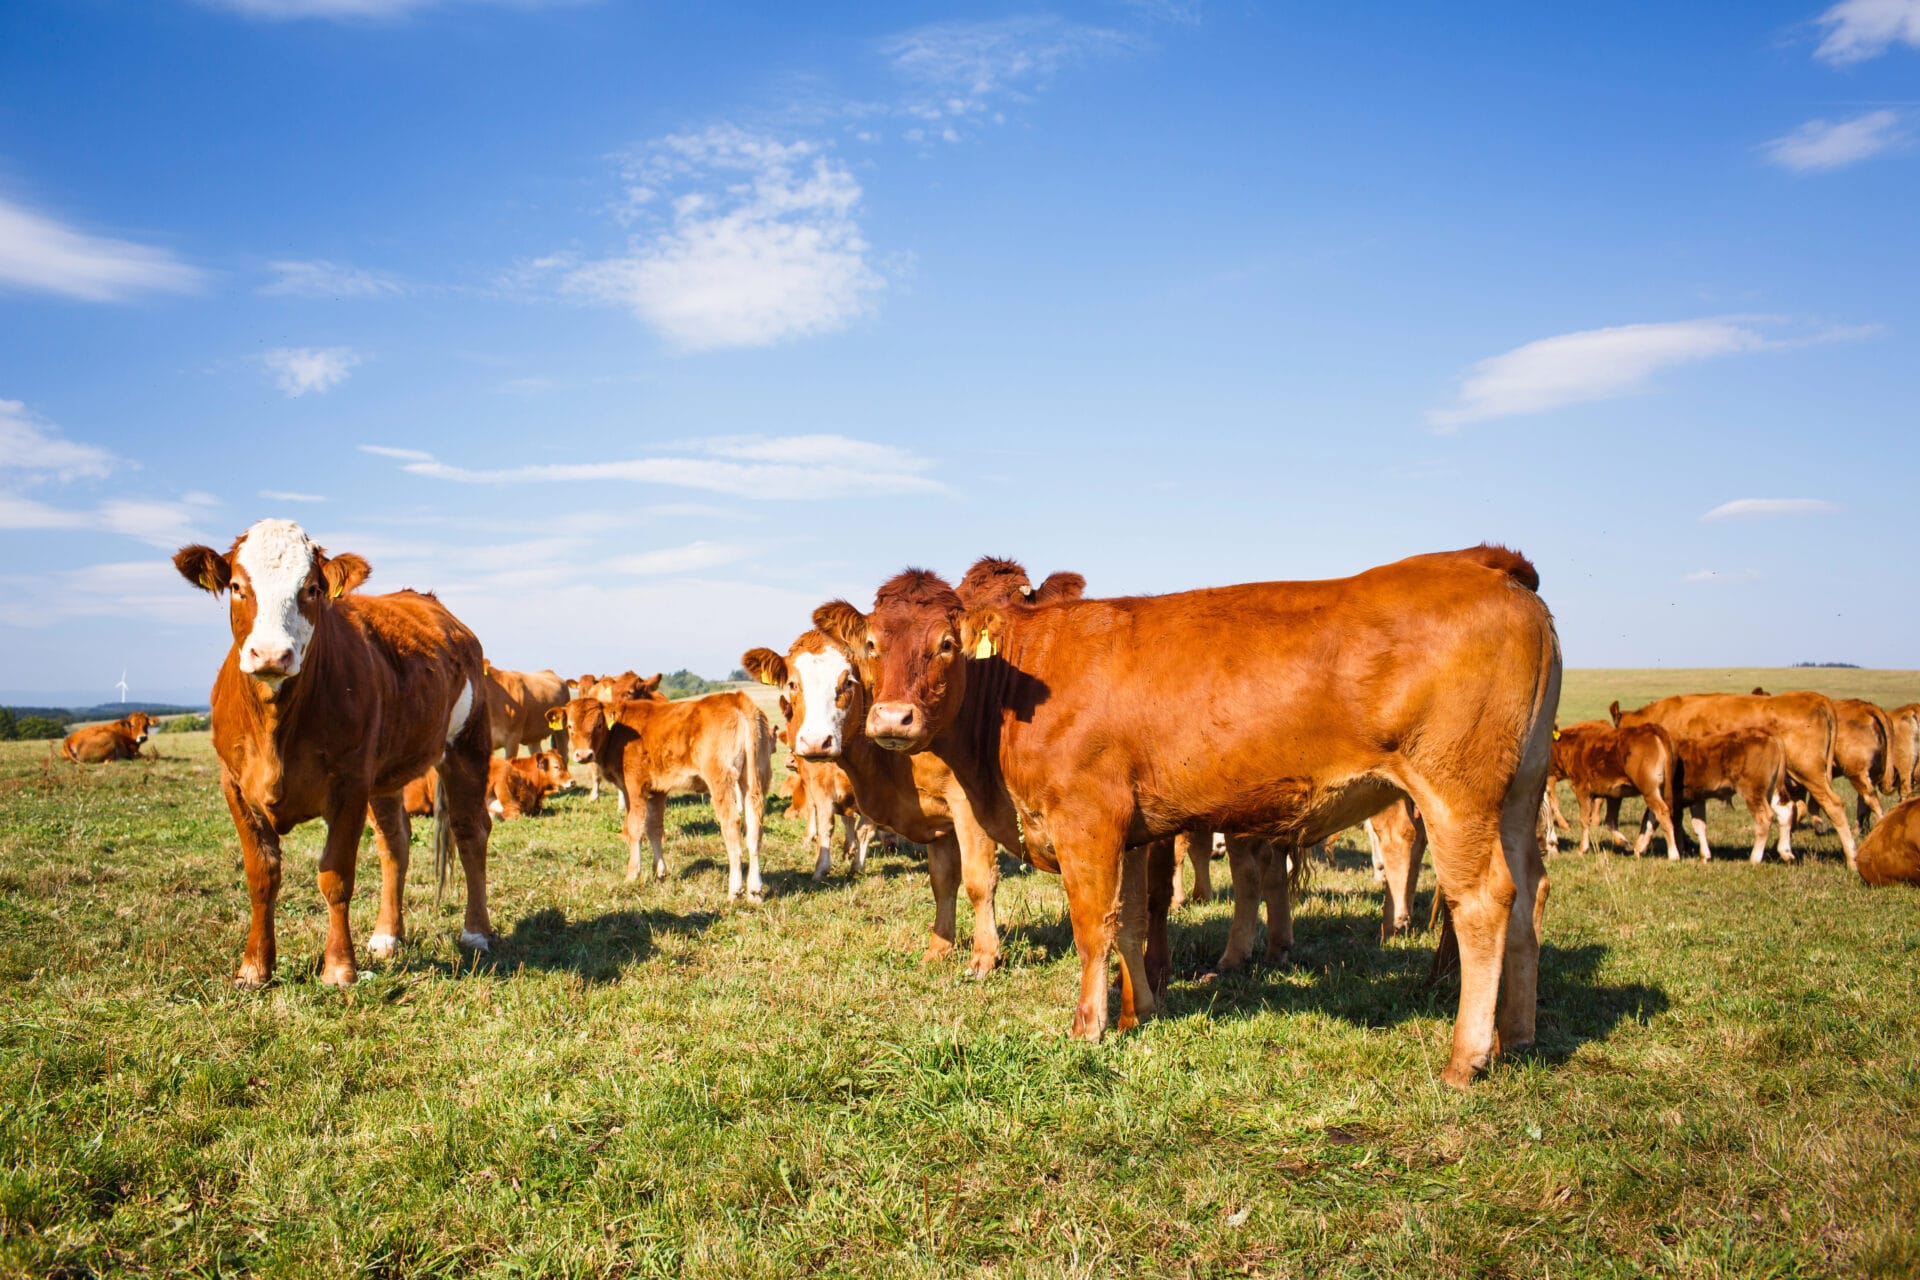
[383,946]
[476,941]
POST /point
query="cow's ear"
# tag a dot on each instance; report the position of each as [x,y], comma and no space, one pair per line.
[765,665]
[983,631]
[843,624]
[650,685]
[204,567]
[557,720]
[344,573]
[1613,709]
[1060,586]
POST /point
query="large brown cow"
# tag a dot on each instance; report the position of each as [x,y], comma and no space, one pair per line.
[1088,729]
[1600,761]
[719,744]
[1891,852]
[99,743]
[1749,763]
[1903,753]
[517,707]
[330,702]
[1803,722]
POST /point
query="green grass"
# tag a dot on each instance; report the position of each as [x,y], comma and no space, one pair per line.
[646,1080]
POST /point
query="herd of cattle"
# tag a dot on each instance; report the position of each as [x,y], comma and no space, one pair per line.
[1105,740]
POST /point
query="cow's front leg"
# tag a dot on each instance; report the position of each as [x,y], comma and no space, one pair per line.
[656,837]
[260,855]
[346,821]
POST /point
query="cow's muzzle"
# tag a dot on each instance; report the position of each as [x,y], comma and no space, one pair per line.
[897,726]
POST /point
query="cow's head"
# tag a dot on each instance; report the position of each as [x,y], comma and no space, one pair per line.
[279,582]
[909,653]
[553,767]
[994,581]
[137,724]
[585,721]
[818,693]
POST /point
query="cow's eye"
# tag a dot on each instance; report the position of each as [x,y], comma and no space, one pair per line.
[946,644]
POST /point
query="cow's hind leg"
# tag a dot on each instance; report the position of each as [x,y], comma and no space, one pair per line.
[1130,939]
[1697,819]
[1276,887]
[1163,877]
[1091,868]
[391,838]
[655,817]
[1822,792]
[463,772]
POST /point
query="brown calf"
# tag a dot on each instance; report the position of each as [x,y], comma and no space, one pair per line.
[1891,852]
[1088,729]
[719,744]
[99,743]
[823,795]
[1804,723]
[1600,761]
[517,788]
[517,706]
[1903,752]
[1749,763]
[329,703]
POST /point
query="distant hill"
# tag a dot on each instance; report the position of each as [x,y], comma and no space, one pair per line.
[100,711]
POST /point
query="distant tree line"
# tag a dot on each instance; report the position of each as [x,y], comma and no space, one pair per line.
[1851,666]
[685,684]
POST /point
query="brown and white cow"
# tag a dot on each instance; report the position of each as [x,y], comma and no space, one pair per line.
[1600,761]
[1749,763]
[719,744]
[517,706]
[99,743]
[518,788]
[328,703]
[1891,852]
[1804,723]
[1088,729]
[1903,752]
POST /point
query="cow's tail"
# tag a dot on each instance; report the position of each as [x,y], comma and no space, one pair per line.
[67,751]
[442,837]
[1883,776]
[1675,787]
[759,762]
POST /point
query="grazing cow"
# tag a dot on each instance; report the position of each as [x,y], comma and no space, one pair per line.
[1195,848]
[330,702]
[1398,838]
[1903,752]
[1087,729]
[99,743]
[1601,761]
[517,788]
[1749,763]
[719,744]
[517,706]
[1803,722]
[1891,852]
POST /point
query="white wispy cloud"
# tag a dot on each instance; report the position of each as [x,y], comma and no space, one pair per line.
[1720,578]
[1819,145]
[298,371]
[390,451]
[318,278]
[29,444]
[743,241]
[1762,508]
[283,495]
[968,69]
[1601,364]
[1861,29]
[160,523]
[40,254]
[148,589]
[691,558]
[781,468]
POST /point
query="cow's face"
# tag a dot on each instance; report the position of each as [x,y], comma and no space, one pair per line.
[138,723]
[817,693]
[553,767]
[585,721]
[907,653]
[278,582]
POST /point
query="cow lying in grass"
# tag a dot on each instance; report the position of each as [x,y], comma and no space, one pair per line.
[99,743]
[1891,852]
[516,788]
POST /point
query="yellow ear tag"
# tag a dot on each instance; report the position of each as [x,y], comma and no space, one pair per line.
[766,679]
[338,591]
[984,649]
[206,580]
[1556,735]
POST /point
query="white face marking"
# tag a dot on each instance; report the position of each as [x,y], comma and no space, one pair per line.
[823,730]
[462,708]
[277,556]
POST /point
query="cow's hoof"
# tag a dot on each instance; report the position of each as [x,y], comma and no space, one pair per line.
[982,965]
[383,946]
[476,941]
[339,975]
[938,949]
[251,979]
[754,897]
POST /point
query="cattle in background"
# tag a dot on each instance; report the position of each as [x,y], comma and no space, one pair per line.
[518,788]
[1903,752]
[1804,723]
[719,744]
[1891,852]
[1397,838]
[1086,730]
[330,702]
[625,687]
[1196,849]
[1749,763]
[1600,761]
[1862,753]
[823,796]
[99,743]
[517,706]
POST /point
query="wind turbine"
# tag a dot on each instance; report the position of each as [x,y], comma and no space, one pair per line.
[122,686]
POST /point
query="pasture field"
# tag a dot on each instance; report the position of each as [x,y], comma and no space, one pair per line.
[645,1080]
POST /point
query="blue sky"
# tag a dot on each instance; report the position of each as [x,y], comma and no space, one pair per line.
[638,330]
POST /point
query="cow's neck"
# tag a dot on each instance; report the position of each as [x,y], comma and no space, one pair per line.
[884,786]
[971,746]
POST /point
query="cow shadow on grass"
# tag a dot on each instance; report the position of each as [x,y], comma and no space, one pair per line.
[595,949]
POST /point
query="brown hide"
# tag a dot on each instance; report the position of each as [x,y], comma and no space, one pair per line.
[1749,763]
[517,707]
[1599,760]
[516,788]
[1288,710]
[1804,724]
[97,744]
[370,708]
[1890,854]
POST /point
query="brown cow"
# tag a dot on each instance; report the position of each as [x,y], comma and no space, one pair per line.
[99,743]
[517,706]
[1749,763]
[1600,761]
[1903,752]
[1862,753]
[517,788]
[329,702]
[1088,729]
[719,744]
[625,687]
[1803,722]
[1891,852]
[1398,839]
